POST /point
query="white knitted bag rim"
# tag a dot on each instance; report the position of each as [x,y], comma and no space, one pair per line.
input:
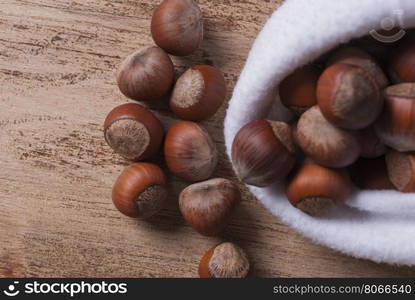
[376,225]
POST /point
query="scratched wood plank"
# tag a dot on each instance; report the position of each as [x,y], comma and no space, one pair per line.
[57,64]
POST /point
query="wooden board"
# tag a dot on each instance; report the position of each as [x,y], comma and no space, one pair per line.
[57,64]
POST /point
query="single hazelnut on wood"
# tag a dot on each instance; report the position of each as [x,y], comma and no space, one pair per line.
[298,90]
[198,93]
[326,144]
[370,144]
[140,191]
[371,174]
[190,152]
[401,170]
[207,205]
[133,132]
[348,96]
[146,75]
[402,63]
[263,152]
[317,190]
[396,125]
[357,57]
[177,26]
[226,260]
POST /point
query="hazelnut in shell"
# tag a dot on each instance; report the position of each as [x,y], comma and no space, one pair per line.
[263,152]
[207,206]
[177,26]
[325,143]
[140,191]
[402,62]
[226,260]
[396,125]
[146,75]
[348,96]
[190,152]
[133,132]
[317,190]
[401,170]
[198,93]
[298,90]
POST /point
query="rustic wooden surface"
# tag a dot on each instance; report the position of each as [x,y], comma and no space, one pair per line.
[57,65]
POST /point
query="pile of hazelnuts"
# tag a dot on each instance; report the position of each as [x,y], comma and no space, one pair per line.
[136,134]
[355,123]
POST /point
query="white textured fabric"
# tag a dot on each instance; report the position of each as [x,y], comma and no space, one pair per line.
[377,225]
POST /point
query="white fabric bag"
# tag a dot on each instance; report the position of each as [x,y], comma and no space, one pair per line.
[377,225]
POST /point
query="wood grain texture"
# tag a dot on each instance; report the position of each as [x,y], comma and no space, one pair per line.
[57,83]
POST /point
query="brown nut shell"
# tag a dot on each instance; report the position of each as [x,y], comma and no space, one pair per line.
[146,75]
[326,144]
[401,170]
[190,152]
[263,152]
[402,63]
[396,125]
[204,264]
[177,26]
[317,190]
[298,90]
[357,57]
[348,96]
[207,205]
[140,191]
[226,260]
[198,93]
[133,132]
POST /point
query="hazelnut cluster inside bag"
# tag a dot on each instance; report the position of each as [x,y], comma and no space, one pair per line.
[376,225]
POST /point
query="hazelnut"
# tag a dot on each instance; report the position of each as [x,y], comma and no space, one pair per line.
[133,132]
[263,152]
[396,125]
[371,174]
[370,144]
[401,170]
[357,57]
[190,152]
[177,26]
[298,90]
[402,63]
[206,206]
[140,191]
[348,96]
[198,93]
[226,260]
[326,144]
[317,190]
[146,75]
